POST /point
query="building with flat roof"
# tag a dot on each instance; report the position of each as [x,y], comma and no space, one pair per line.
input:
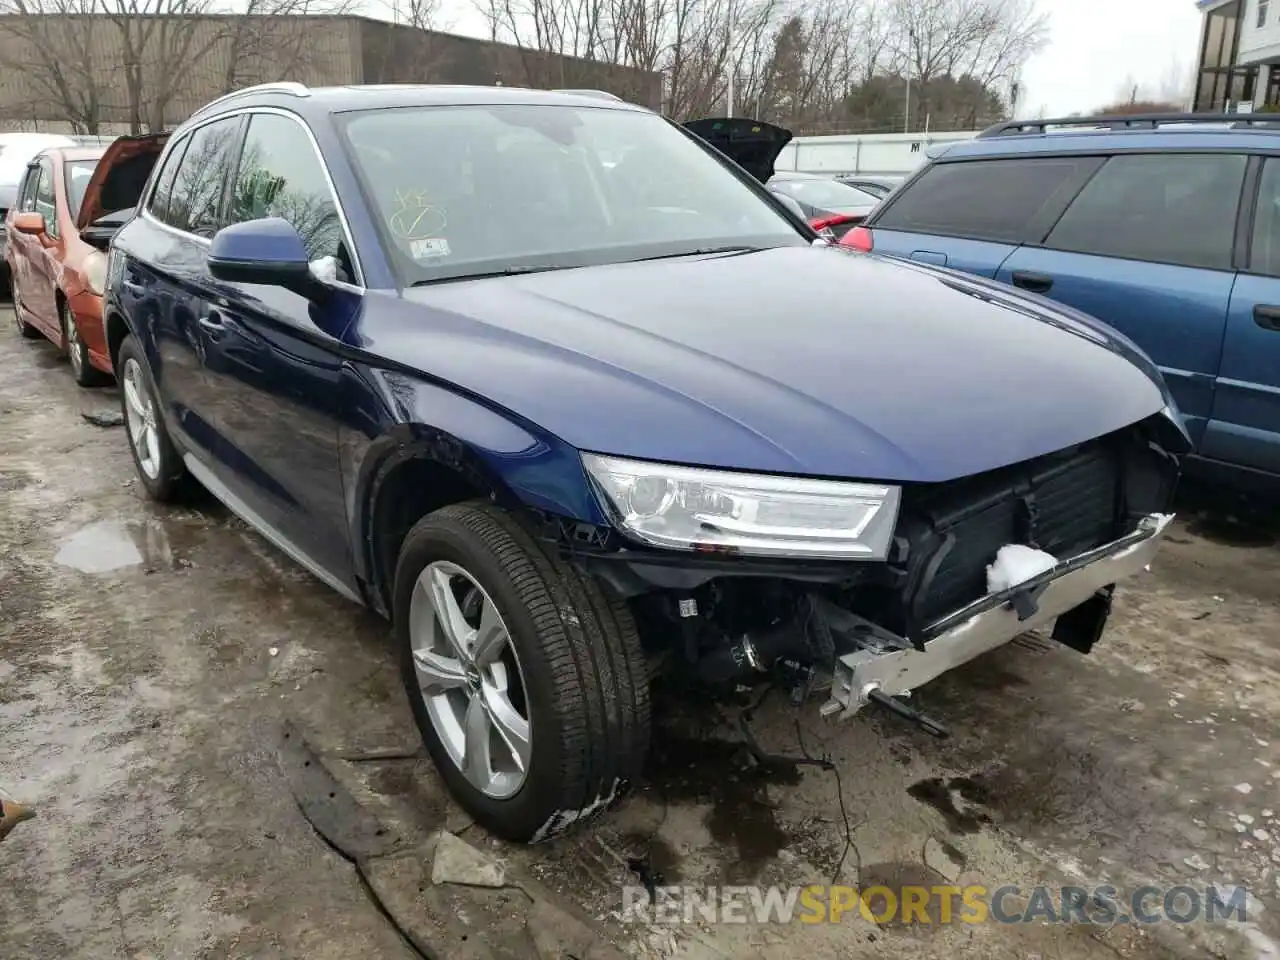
[102,73]
[1239,65]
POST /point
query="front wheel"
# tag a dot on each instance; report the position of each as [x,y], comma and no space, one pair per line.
[24,329]
[527,680]
[86,374]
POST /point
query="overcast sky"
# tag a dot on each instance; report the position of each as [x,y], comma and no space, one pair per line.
[1096,45]
[1096,49]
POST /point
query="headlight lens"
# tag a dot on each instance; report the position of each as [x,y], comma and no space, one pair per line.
[95,272]
[714,511]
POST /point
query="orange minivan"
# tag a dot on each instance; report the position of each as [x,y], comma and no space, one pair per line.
[69,203]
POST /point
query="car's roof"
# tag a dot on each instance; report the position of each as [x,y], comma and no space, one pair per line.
[72,154]
[34,139]
[1093,141]
[311,100]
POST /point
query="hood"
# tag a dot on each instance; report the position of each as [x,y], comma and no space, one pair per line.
[739,362]
[752,144]
[120,176]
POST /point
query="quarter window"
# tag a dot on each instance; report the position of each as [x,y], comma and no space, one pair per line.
[280,175]
[982,199]
[195,202]
[45,202]
[1166,208]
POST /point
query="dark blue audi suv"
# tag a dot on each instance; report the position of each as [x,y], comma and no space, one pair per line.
[555,385]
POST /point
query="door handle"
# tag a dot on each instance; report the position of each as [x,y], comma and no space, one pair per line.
[1267,316]
[1035,282]
[214,324]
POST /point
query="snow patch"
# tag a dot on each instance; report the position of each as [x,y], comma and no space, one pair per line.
[1015,564]
[563,819]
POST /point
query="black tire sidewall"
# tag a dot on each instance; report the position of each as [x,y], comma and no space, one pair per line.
[85,375]
[521,815]
[164,486]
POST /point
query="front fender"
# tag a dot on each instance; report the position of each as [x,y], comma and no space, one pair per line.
[398,417]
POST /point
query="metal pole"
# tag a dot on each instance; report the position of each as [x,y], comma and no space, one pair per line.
[906,121]
[729,53]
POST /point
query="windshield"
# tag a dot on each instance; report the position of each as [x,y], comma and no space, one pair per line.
[827,194]
[465,191]
[78,174]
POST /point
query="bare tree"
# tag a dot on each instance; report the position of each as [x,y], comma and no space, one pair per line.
[269,40]
[59,66]
[985,40]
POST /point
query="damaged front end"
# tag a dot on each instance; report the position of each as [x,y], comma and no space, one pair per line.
[1091,516]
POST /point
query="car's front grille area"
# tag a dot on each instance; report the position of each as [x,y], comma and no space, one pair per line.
[1065,504]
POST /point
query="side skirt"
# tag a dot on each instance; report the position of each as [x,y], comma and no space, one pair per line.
[270,533]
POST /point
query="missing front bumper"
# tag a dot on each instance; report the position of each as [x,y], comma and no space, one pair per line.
[888,664]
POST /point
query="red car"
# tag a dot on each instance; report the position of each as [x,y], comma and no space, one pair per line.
[70,202]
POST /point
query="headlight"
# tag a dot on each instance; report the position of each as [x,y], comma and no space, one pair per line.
[714,511]
[95,272]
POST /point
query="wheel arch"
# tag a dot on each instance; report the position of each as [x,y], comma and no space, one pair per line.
[439,448]
[116,329]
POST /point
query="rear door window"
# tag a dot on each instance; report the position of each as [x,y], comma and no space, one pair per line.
[984,199]
[195,202]
[1165,208]
[1264,252]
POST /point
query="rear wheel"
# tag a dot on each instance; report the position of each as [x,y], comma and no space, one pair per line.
[527,681]
[77,353]
[159,467]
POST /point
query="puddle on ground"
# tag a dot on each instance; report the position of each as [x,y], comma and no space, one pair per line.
[109,545]
[723,774]
[959,800]
[879,880]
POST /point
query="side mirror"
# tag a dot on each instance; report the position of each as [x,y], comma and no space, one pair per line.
[99,233]
[267,251]
[31,223]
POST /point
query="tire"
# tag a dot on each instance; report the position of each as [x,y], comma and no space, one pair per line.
[85,373]
[160,469]
[578,657]
[24,328]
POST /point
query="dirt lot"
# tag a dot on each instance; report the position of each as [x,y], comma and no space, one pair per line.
[149,657]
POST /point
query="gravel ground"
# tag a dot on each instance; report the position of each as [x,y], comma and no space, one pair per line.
[149,656]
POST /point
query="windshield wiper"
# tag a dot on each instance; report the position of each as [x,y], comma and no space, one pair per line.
[701,252]
[504,272]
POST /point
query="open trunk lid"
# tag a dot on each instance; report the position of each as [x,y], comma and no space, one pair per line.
[752,144]
[120,176]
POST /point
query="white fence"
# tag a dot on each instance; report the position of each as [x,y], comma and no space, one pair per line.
[874,154]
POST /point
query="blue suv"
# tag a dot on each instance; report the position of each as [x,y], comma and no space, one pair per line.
[1165,227]
[537,376]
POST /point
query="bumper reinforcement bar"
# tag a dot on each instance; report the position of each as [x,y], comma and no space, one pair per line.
[891,666]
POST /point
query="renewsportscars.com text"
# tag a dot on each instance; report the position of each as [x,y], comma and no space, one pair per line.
[1103,905]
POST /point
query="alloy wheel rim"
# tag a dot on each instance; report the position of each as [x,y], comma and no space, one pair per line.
[470,679]
[73,341]
[141,419]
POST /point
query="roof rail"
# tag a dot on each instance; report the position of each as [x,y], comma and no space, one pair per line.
[1137,121]
[604,94]
[288,87]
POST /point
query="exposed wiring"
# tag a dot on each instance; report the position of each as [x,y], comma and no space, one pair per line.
[806,760]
